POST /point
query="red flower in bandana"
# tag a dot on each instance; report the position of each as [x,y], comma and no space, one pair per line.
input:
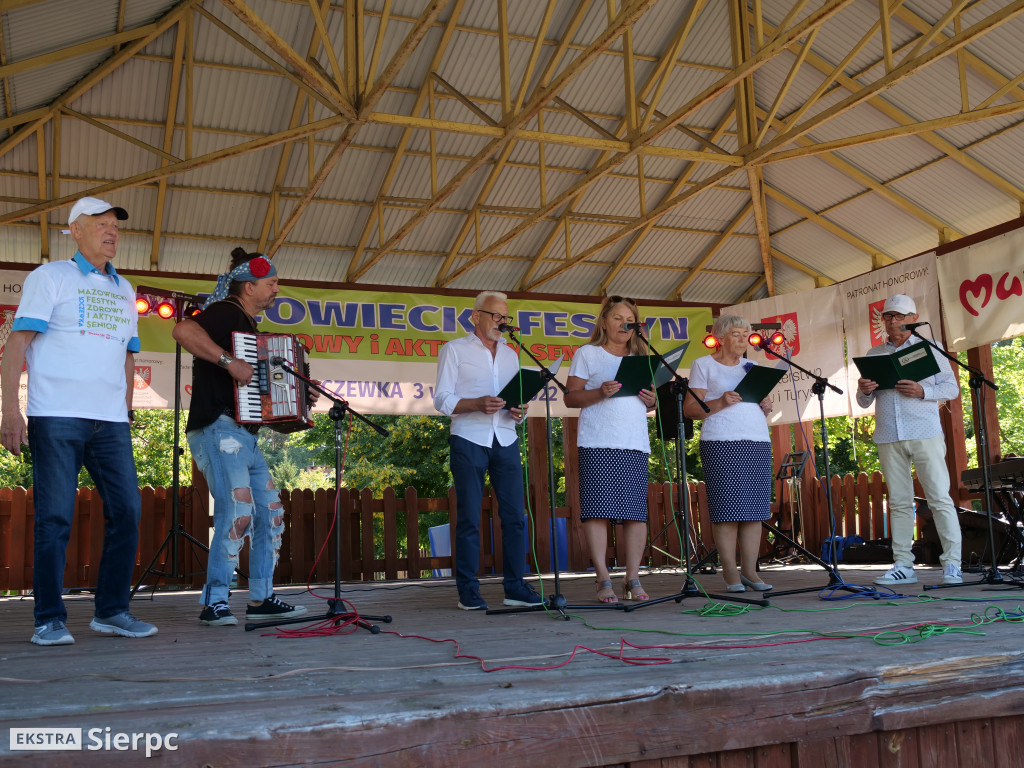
[259,267]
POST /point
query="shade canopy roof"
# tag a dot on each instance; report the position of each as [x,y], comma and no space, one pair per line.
[696,150]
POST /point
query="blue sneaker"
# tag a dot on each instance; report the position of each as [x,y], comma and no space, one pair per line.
[52,633]
[471,601]
[123,624]
[522,594]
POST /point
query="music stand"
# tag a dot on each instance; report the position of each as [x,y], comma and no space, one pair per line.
[790,472]
[670,431]
[335,605]
[182,300]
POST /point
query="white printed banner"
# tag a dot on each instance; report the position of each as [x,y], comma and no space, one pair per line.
[862,298]
[813,329]
[982,292]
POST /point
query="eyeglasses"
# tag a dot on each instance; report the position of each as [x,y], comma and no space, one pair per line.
[497,316]
[620,300]
[887,316]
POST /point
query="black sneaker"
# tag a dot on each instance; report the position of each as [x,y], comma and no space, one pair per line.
[273,608]
[217,615]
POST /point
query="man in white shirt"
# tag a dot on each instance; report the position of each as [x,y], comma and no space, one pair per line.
[471,371]
[76,328]
[908,431]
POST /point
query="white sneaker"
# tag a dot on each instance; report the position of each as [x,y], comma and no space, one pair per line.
[898,574]
[951,574]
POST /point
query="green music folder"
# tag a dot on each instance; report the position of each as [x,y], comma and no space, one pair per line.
[635,371]
[758,382]
[525,385]
[914,363]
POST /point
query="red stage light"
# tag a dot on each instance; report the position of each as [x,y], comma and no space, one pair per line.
[142,305]
[777,339]
[165,309]
[192,310]
[710,341]
[755,339]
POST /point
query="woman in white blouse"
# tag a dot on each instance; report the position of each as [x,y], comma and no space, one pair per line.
[613,445]
[735,453]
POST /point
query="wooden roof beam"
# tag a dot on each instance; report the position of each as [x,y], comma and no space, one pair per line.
[697,267]
[763,56]
[305,71]
[146,177]
[473,215]
[177,70]
[108,66]
[626,17]
[902,72]
[402,55]
[270,216]
[403,142]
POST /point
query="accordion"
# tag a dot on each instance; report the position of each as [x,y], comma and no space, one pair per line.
[274,398]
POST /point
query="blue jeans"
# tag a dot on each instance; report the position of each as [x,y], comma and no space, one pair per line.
[234,467]
[61,446]
[469,462]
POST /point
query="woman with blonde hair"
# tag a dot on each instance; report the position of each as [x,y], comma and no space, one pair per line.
[613,445]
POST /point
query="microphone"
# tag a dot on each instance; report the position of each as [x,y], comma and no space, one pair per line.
[632,326]
[912,326]
[506,328]
[277,360]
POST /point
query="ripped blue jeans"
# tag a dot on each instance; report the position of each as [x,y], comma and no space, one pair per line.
[245,503]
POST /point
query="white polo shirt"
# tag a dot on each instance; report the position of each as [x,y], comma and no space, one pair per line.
[85,323]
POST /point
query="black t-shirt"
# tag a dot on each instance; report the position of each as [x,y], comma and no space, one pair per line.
[213,389]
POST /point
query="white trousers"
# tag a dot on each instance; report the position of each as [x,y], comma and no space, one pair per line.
[928,457]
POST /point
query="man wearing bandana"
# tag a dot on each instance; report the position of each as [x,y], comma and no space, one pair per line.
[245,502]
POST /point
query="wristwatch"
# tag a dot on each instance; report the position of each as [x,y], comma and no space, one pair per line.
[224,360]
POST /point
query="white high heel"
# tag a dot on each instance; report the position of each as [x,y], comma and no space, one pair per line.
[758,586]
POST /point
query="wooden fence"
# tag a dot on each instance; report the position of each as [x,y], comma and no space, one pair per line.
[375,531]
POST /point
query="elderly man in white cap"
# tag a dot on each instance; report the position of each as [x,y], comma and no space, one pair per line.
[76,327]
[908,432]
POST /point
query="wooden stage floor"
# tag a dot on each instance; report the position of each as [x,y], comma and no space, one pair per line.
[802,682]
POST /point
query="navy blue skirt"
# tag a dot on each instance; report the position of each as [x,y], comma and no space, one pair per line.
[613,484]
[738,479]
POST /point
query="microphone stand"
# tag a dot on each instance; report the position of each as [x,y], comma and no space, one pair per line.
[977,383]
[555,601]
[335,606]
[680,386]
[834,579]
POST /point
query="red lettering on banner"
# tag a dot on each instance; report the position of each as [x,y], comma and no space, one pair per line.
[981,288]
[983,283]
[1002,293]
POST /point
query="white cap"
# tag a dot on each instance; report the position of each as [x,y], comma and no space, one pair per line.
[900,303]
[93,206]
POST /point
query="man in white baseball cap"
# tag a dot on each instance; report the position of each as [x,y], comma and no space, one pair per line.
[93,206]
[909,436]
[76,327]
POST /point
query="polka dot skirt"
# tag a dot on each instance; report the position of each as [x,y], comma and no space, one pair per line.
[738,479]
[613,484]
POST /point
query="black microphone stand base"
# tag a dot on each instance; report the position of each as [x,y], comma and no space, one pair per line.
[834,579]
[991,577]
[335,612]
[690,589]
[556,604]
